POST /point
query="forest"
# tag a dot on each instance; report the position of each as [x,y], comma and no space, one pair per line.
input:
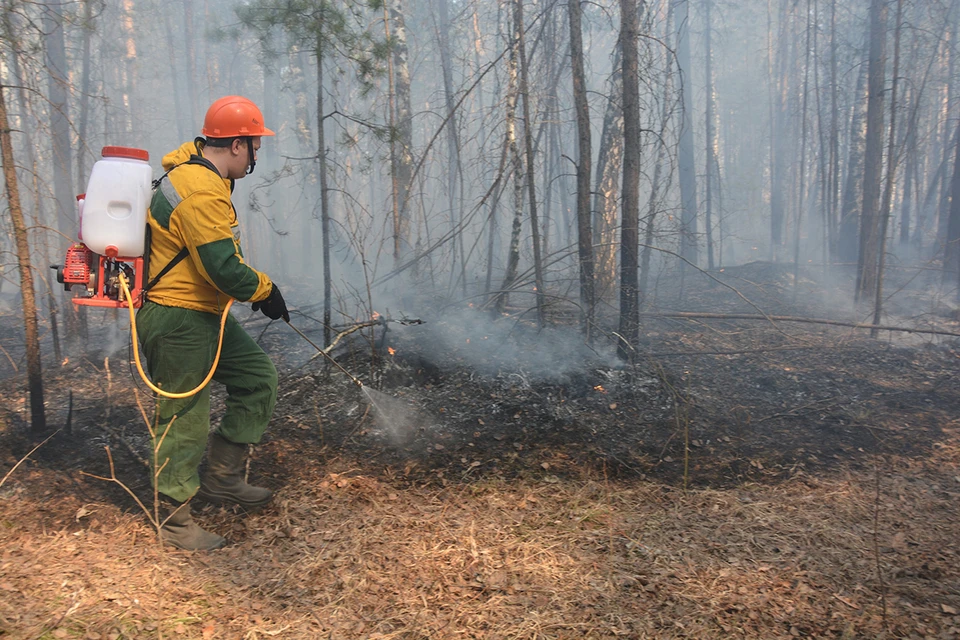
[648,311]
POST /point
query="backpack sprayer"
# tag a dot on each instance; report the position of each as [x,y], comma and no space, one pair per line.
[113,218]
[108,262]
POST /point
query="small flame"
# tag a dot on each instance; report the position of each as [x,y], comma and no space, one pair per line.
[468,340]
[374,316]
[600,388]
[391,351]
[65,361]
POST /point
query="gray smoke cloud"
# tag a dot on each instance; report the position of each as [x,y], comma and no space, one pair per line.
[489,346]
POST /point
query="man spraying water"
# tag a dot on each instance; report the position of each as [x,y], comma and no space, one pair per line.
[195,252]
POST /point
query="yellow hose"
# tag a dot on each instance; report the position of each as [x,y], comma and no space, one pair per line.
[136,349]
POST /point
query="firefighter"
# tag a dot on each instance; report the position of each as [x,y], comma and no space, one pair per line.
[196,266]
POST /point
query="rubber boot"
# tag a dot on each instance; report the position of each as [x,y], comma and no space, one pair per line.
[182,532]
[223,480]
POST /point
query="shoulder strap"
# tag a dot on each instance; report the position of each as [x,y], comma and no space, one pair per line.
[194,159]
[170,265]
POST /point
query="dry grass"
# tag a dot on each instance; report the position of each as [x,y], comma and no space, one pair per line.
[342,555]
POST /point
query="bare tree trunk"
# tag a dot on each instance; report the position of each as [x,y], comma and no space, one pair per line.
[873,164]
[88,30]
[496,189]
[910,169]
[584,233]
[711,155]
[776,127]
[891,172]
[846,249]
[324,198]
[654,203]
[301,99]
[392,124]
[133,132]
[549,125]
[528,144]
[64,194]
[823,154]
[58,84]
[803,155]
[629,234]
[927,210]
[943,210]
[833,182]
[688,173]
[38,198]
[404,124]
[513,252]
[605,202]
[38,420]
[953,227]
[928,207]
[951,251]
[454,170]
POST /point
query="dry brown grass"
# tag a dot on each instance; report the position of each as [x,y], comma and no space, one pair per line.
[342,555]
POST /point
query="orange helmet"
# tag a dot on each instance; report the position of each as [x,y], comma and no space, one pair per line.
[233,117]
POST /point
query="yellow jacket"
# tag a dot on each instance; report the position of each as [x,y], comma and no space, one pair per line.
[192,209]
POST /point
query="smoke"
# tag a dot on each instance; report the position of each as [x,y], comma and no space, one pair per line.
[490,346]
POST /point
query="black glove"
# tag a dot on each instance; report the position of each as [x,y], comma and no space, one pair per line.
[273,306]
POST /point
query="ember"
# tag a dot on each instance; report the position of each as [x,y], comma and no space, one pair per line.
[600,388]
[391,351]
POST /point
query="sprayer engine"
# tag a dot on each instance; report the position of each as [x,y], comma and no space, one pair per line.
[100,277]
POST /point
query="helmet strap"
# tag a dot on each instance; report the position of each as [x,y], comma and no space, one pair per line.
[250,151]
[217,142]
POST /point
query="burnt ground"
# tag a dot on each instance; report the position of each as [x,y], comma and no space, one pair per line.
[739,479]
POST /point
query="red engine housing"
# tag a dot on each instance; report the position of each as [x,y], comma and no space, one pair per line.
[100,277]
[76,265]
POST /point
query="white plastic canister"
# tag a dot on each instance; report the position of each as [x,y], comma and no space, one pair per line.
[115,205]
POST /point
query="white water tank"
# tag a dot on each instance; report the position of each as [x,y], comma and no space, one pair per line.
[113,214]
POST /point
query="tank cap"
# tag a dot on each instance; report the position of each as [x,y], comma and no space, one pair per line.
[111,251]
[125,152]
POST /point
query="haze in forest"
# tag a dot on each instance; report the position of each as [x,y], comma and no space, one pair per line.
[820,134]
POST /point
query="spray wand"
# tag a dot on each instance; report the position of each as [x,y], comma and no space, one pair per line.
[326,355]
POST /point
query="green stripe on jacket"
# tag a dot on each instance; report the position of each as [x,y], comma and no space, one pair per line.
[227,270]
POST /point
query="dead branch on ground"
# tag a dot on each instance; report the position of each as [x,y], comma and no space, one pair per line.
[836,323]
